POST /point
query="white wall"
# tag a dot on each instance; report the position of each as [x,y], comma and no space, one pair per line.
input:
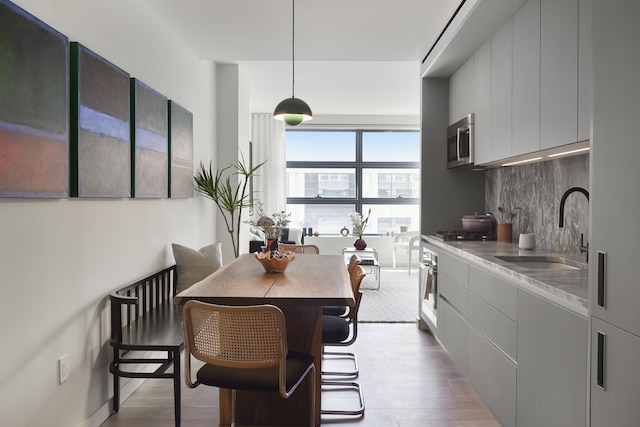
[61,258]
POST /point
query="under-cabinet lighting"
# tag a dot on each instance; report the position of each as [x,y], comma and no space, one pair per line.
[535,159]
[569,152]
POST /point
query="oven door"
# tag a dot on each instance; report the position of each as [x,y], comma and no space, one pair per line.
[428,290]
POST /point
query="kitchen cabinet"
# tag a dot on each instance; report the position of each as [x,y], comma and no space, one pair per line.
[501,90]
[493,376]
[558,72]
[584,70]
[526,78]
[614,200]
[461,92]
[452,333]
[614,402]
[552,364]
[482,103]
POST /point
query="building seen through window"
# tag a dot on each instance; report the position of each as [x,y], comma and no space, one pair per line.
[331,174]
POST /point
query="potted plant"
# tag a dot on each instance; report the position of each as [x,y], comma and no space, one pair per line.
[230,198]
[359,224]
[505,226]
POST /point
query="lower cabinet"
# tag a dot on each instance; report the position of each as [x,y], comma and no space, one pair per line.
[615,378]
[493,376]
[452,332]
[552,364]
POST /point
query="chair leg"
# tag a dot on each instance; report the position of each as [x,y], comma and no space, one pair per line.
[233,408]
[312,421]
[177,401]
[342,385]
[342,355]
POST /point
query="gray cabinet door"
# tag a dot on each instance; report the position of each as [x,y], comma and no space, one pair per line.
[501,78]
[526,78]
[493,376]
[615,379]
[482,103]
[452,333]
[558,72]
[552,364]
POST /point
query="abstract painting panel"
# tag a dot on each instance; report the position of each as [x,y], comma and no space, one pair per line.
[100,126]
[150,142]
[181,149]
[34,106]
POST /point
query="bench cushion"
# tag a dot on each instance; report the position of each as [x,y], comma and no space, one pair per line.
[194,265]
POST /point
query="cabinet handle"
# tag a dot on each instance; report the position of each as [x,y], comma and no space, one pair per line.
[601,356]
[601,272]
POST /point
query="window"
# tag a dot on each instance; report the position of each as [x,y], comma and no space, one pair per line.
[331,174]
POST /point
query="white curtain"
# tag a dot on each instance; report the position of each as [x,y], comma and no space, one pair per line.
[268,144]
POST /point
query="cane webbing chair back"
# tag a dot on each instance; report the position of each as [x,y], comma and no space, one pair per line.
[236,337]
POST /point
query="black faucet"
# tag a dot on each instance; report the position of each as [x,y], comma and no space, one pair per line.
[583,248]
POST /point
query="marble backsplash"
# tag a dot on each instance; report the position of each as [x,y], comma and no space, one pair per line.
[537,189]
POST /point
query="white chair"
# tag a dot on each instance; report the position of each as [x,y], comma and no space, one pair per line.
[408,241]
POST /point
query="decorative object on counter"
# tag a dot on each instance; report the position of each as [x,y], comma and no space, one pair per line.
[527,241]
[316,233]
[360,244]
[344,231]
[274,261]
[230,200]
[505,232]
[505,227]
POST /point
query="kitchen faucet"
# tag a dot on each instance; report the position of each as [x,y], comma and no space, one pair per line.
[583,248]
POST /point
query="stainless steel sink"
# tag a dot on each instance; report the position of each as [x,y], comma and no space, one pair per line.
[541,262]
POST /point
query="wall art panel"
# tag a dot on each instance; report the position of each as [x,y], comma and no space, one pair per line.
[181,149]
[34,106]
[149,138]
[100,126]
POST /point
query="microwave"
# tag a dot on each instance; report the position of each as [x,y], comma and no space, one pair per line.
[460,143]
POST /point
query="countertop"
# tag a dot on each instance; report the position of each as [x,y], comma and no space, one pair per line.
[568,288]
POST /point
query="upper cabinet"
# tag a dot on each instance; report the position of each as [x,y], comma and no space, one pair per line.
[558,72]
[530,83]
[501,78]
[461,92]
[482,102]
[526,79]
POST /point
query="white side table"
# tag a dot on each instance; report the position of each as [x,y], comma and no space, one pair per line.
[368,259]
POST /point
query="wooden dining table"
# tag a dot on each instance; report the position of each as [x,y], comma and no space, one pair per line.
[309,283]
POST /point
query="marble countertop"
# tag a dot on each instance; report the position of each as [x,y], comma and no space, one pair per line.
[568,288]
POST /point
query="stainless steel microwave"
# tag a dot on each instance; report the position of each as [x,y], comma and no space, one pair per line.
[460,143]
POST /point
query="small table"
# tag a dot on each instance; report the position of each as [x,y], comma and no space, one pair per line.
[368,258]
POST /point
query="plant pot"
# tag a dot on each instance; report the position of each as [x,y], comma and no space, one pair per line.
[505,232]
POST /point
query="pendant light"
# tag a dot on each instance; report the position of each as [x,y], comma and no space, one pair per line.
[293,110]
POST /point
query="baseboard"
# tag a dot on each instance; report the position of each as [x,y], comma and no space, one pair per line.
[126,390]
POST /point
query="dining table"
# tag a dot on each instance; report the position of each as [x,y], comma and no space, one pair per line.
[309,283]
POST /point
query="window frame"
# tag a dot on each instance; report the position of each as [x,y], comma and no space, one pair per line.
[359,166]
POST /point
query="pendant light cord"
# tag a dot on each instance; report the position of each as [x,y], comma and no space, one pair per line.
[293,48]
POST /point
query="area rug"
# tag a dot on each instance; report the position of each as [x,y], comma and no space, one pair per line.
[395,302]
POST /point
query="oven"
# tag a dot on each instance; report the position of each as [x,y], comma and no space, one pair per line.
[428,289]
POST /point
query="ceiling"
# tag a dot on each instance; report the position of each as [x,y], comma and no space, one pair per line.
[352,57]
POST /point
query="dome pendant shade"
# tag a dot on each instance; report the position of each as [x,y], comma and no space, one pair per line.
[293,111]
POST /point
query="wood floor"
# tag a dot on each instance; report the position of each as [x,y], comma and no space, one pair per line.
[408,380]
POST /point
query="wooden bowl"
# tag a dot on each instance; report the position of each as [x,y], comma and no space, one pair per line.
[276,264]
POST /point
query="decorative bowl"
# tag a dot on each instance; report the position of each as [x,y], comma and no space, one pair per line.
[275,262]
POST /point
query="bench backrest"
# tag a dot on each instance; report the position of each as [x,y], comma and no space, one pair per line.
[139,298]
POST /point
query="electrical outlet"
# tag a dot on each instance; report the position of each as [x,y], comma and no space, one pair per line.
[63,368]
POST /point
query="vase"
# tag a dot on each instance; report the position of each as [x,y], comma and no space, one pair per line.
[505,232]
[360,244]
